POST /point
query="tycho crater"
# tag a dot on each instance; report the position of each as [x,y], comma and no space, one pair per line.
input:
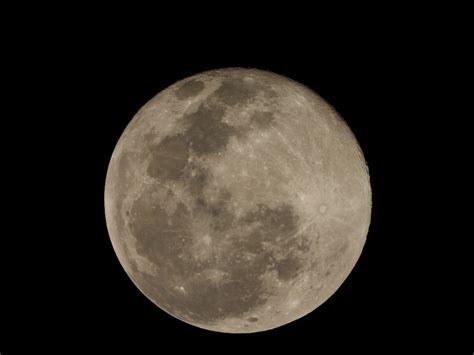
[237,200]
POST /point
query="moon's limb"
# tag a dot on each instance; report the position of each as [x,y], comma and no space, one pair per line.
[237,200]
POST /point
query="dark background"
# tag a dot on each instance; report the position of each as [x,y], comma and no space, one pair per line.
[63,285]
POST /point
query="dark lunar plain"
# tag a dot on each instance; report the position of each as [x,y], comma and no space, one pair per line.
[62,284]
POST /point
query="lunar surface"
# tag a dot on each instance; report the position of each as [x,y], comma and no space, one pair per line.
[237,200]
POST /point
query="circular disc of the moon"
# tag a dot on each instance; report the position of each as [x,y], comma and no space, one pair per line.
[237,200]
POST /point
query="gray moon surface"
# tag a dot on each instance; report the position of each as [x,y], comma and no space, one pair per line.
[237,200]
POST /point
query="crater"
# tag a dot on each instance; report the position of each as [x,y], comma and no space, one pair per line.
[189,89]
[168,159]
[252,319]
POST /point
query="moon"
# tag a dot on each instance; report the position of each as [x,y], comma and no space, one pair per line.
[237,200]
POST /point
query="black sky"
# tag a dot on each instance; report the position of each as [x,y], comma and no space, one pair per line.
[76,93]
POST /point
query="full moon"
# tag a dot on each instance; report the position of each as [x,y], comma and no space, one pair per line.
[237,200]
